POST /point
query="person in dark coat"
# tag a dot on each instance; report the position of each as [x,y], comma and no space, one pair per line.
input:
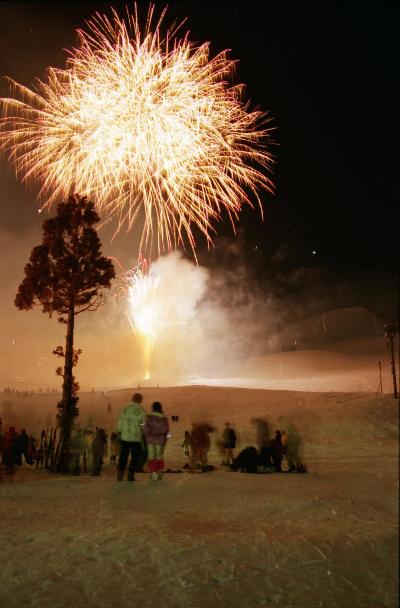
[246,461]
[11,451]
[24,442]
[155,431]
[229,442]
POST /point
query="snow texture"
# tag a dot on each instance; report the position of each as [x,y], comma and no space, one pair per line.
[327,538]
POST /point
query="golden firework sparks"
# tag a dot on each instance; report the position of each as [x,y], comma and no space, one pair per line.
[149,125]
[147,312]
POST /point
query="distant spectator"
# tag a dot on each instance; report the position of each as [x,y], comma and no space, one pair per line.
[98,446]
[114,447]
[291,441]
[229,439]
[11,451]
[23,441]
[76,447]
[200,445]
[277,451]
[186,443]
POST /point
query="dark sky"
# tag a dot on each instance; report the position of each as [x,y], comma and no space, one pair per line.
[327,74]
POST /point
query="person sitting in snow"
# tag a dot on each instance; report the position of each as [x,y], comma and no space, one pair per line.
[246,461]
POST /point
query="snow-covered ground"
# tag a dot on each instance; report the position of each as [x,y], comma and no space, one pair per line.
[220,539]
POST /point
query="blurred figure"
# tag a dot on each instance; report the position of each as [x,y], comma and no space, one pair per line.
[129,427]
[186,443]
[11,452]
[229,442]
[32,451]
[155,431]
[277,451]
[98,446]
[88,437]
[262,433]
[114,447]
[292,448]
[76,448]
[23,441]
[200,445]
[263,443]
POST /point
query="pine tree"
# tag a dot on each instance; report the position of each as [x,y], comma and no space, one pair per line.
[67,275]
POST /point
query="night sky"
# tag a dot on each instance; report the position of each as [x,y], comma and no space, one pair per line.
[326,73]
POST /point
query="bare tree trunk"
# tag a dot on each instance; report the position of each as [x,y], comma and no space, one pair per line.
[68,376]
[393,364]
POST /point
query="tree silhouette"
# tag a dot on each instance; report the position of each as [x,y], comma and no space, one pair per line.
[67,275]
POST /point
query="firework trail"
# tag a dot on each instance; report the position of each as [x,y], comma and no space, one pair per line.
[149,125]
[147,311]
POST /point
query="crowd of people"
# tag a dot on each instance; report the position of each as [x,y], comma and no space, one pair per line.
[16,447]
[140,440]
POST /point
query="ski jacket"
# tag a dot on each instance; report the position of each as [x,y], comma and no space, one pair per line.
[156,429]
[130,423]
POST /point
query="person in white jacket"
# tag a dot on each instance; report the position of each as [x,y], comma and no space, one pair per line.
[129,427]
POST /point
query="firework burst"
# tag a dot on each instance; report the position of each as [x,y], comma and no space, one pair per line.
[149,125]
[146,312]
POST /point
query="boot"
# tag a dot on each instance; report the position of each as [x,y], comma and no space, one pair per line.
[120,475]
[153,476]
[131,476]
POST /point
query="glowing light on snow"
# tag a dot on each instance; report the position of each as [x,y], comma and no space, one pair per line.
[148,125]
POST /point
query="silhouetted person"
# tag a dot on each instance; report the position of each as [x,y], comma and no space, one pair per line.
[263,443]
[200,445]
[229,442]
[292,448]
[88,437]
[11,451]
[114,447]
[23,441]
[246,461]
[262,433]
[76,448]
[186,443]
[277,451]
[98,445]
[129,427]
